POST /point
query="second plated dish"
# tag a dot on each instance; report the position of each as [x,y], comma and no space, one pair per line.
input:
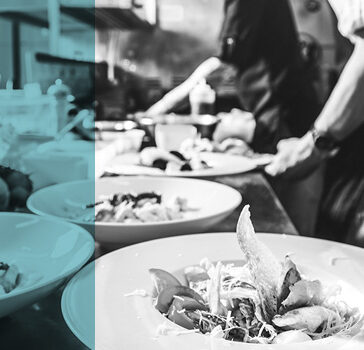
[207,203]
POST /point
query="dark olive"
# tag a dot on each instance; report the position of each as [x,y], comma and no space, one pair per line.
[149,195]
[178,155]
[186,167]
[160,163]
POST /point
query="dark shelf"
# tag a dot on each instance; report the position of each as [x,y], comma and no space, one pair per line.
[25,18]
[117,18]
[83,15]
[47,58]
[101,18]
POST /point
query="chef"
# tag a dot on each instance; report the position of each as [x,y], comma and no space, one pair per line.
[338,138]
[259,38]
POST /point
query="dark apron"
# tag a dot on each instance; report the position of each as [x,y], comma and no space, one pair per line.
[259,37]
[342,209]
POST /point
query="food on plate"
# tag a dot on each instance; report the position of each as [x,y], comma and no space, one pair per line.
[136,208]
[162,280]
[290,337]
[171,161]
[9,278]
[262,301]
[15,188]
[229,145]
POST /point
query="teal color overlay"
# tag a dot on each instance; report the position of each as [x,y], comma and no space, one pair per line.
[47,99]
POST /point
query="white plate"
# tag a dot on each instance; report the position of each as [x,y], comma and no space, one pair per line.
[131,322]
[45,250]
[213,201]
[221,164]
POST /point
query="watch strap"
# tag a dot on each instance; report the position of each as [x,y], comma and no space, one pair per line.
[324,141]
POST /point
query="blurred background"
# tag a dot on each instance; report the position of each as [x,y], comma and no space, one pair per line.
[142,48]
[77,80]
[66,63]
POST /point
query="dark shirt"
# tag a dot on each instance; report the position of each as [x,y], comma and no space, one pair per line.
[259,37]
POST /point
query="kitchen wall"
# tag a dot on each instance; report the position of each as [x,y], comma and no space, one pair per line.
[161,58]
[6,65]
[73,44]
[186,35]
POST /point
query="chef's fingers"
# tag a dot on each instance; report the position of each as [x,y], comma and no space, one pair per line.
[275,168]
[222,115]
[236,112]
[285,145]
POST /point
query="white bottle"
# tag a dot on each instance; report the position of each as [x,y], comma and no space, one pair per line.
[60,93]
[202,99]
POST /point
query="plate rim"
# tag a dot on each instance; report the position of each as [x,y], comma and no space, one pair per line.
[100,225]
[84,271]
[37,286]
[199,173]
[64,307]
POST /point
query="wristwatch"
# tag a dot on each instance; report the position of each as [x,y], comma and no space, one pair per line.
[324,142]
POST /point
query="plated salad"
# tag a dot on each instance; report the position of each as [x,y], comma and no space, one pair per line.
[262,301]
[9,278]
[137,208]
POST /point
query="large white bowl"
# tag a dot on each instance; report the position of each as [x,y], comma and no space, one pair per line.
[213,201]
[47,251]
[131,322]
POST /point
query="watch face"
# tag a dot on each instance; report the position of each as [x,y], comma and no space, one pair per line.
[324,143]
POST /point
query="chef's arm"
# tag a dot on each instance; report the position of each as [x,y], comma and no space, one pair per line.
[172,98]
[242,18]
[344,111]
[342,115]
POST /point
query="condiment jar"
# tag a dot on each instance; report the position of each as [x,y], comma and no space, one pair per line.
[202,99]
[61,93]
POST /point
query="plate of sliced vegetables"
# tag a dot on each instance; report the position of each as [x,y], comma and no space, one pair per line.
[127,210]
[223,291]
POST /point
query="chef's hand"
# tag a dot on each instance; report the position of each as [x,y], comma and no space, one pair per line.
[181,92]
[296,158]
[236,124]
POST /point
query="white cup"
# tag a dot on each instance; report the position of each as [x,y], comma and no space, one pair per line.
[171,136]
